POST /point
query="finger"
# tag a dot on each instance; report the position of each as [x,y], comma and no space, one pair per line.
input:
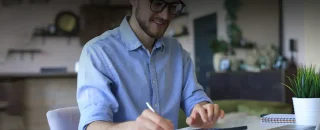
[222,114]
[210,110]
[194,112]
[190,121]
[147,124]
[157,120]
[216,112]
[170,123]
[203,114]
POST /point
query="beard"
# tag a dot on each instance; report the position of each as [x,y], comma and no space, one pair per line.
[145,25]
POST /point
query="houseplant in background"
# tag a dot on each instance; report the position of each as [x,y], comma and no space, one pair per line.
[226,49]
[221,48]
[306,89]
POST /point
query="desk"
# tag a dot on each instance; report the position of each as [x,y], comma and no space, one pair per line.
[252,122]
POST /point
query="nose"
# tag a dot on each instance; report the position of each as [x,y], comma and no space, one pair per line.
[165,14]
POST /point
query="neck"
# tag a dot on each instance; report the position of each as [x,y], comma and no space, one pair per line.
[146,40]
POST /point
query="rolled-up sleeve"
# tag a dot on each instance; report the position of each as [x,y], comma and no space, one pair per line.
[193,92]
[94,97]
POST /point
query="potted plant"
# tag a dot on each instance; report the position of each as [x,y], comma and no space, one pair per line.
[306,89]
[220,49]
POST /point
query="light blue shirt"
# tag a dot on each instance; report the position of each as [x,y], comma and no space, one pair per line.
[117,76]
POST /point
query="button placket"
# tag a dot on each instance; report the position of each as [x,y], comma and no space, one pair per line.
[154,84]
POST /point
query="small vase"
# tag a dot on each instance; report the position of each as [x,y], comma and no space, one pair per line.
[216,60]
[307,111]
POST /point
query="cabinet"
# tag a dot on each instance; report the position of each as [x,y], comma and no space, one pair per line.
[98,19]
[263,86]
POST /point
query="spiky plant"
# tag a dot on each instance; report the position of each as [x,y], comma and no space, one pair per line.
[306,83]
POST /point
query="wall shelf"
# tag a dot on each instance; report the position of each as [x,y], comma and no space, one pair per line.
[4,76]
[22,52]
[47,35]
[52,35]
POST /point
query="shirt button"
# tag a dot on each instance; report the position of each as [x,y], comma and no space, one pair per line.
[153,82]
[156,105]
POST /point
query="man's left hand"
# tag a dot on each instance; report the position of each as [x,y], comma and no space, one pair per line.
[204,115]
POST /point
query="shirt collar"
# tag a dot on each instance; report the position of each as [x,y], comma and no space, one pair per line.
[131,40]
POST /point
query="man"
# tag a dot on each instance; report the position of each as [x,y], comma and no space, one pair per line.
[128,66]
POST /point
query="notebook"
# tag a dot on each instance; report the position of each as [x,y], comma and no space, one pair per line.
[278,118]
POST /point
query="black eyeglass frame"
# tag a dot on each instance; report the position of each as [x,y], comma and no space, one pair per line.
[166,4]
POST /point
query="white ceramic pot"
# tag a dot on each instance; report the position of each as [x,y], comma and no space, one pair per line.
[307,110]
[216,60]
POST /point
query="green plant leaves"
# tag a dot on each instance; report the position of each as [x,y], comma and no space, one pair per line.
[306,84]
[219,46]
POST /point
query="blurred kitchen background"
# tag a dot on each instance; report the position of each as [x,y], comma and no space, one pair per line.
[242,49]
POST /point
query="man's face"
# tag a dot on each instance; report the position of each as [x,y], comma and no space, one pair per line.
[153,23]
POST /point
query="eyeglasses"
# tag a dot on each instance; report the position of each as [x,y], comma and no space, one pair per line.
[175,8]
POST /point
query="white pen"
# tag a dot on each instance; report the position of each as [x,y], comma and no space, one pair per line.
[149,106]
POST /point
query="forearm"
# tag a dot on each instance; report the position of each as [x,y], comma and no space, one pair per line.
[100,125]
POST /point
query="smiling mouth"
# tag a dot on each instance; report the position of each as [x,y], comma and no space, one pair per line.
[160,22]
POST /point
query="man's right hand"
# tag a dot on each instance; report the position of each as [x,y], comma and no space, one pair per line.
[149,120]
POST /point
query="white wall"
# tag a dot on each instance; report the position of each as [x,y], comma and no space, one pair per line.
[312,32]
[301,22]
[259,21]
[17,24]
[293,18]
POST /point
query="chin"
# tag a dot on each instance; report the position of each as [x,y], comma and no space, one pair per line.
[157,35]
